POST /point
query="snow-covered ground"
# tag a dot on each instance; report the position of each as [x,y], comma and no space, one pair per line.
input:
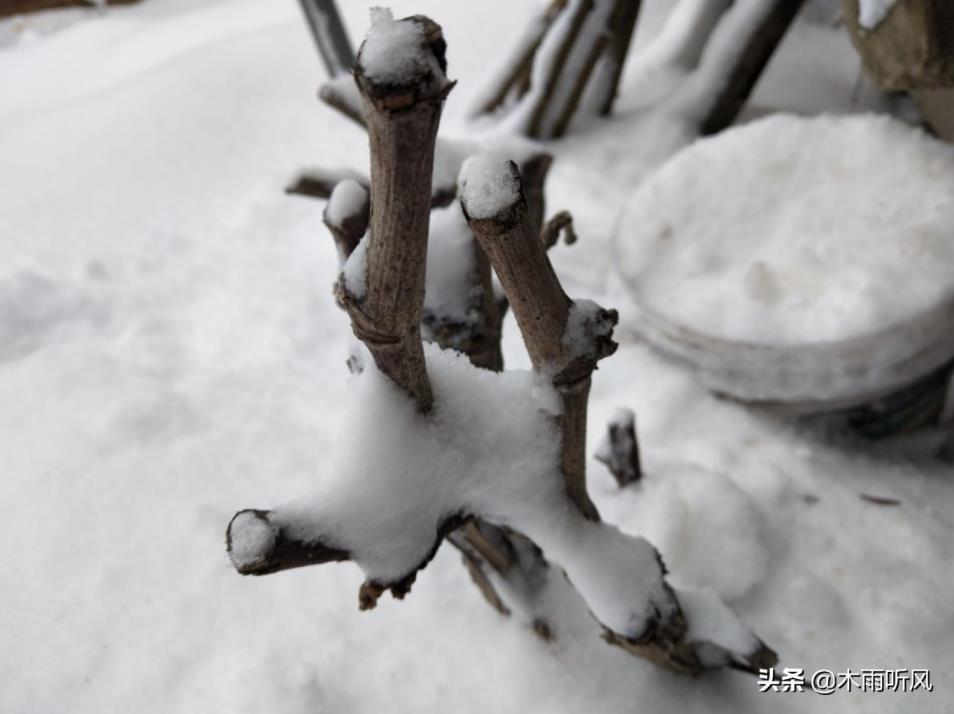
[170,352]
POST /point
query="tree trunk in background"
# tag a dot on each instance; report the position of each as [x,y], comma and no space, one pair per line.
[911,48]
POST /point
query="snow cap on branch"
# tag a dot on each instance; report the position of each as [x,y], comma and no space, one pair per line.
[347,199]
[488,185]
[251,540]
[399,55]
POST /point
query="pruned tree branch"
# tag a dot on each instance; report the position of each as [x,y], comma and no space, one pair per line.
[341,93]
[402,118]
[542,309]
[515,79]
[620,577]
[565,340]
[578,49]
[534,170]
[506,566]
[566,74]
[319,182]
[619,450]
[257,545]
[743,72]
[555,61]
[610,69]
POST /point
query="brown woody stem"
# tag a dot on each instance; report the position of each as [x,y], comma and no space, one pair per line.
[516,79]
[542,309]
[402,118]
[748,65]
[259,546]
[340,94]
[620,449]
[610,70]
[561,222]
[319,183]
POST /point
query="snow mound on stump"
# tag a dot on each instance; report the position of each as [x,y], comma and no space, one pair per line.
[488,186]
[396,51]
[490,447]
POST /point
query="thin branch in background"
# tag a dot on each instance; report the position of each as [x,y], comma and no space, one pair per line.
[330,35]
[347,215]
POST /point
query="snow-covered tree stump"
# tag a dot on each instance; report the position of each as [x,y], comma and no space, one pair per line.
[432,442]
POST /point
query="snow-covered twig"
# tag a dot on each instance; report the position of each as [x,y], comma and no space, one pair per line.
[563,66]
[341,93]
[610,68]
[573,56]
[493,201]
[565,340]
[320,182]
[460,309]
[400,72]
[759,27]
[514,79]
[258,545]
[346,215]
[573,47]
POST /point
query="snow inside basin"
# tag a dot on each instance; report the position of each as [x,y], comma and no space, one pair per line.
[805,261]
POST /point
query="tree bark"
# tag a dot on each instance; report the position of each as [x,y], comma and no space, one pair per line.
[610,70]
[402,119]
[516,78]
[748,67]
[542,309]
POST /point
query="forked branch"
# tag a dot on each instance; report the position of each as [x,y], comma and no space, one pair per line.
[564,339]
[391,500]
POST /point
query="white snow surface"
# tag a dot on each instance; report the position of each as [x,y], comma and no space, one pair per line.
[489,448]
[792,230]
[354,272]
[872,13]
[450,265]
[170,353]
[782,283]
